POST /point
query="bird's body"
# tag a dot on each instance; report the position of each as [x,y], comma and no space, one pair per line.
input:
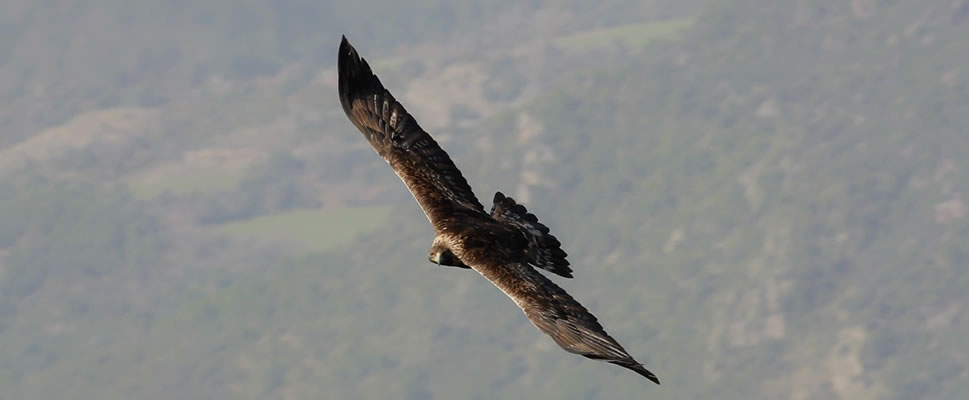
[503,245]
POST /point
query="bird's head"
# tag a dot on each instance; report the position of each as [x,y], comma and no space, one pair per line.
[441,255]
[434,257]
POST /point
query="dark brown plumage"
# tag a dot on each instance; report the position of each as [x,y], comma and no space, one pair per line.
[503,245]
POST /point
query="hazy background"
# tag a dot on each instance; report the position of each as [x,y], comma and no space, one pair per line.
[760,199]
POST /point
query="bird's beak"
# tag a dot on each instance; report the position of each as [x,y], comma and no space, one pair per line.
[435,259]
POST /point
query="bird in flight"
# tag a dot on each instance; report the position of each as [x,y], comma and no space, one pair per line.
[503,245]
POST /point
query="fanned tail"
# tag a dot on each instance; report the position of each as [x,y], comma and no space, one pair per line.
[544,250]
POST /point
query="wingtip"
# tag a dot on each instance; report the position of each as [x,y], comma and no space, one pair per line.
[647,374]
[355,78]
[637,368]
[348,55]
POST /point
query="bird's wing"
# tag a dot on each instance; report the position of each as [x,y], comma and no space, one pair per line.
[425,168]
[557,314]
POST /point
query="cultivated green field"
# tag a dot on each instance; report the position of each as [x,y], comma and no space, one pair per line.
[318,230]
[633,35]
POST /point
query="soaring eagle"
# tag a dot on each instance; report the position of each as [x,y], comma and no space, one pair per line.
[502,245]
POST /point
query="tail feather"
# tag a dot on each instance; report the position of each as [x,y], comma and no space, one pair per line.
[544,250]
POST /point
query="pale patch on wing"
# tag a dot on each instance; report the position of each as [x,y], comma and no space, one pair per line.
[412,194]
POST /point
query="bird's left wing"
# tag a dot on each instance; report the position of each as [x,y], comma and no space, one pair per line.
[417,159]
[553,311]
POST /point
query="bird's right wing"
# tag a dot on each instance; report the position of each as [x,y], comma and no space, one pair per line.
[553,311]
[425,168]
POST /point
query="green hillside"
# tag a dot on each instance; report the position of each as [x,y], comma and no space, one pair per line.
[758,201]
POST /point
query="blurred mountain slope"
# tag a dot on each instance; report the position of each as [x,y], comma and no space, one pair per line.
[770,205]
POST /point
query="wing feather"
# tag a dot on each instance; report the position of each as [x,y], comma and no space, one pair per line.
[553,311]
[394,134]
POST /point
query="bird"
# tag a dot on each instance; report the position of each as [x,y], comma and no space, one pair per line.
[505,245]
